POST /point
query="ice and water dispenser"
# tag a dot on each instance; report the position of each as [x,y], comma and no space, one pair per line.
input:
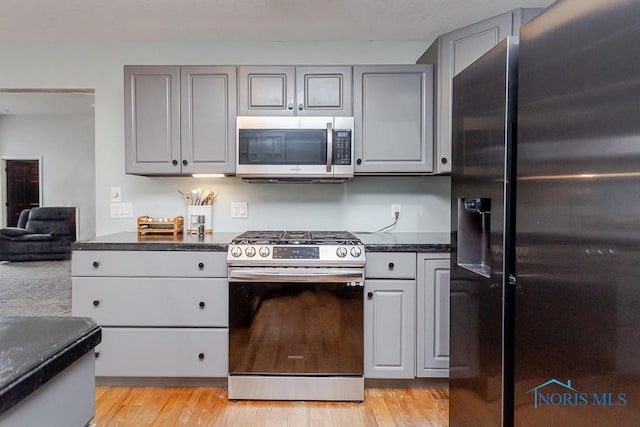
[474,234]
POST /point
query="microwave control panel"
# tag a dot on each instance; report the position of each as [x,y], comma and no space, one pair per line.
[342,147]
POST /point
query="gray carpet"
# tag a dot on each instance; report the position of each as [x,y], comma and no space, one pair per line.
[35,288]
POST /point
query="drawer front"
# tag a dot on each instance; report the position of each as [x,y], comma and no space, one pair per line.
[139,301]
[162,352]
[149,263]
[382,265]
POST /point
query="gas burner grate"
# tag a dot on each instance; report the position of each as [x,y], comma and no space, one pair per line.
[296,237]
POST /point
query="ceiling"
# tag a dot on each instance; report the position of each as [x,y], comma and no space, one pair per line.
[90,21]
[242,20]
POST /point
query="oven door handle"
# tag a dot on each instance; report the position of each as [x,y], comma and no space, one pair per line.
[302,275]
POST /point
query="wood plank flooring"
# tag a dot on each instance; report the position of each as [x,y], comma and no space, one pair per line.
[208,406]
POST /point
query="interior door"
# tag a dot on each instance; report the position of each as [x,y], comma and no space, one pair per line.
[23,188]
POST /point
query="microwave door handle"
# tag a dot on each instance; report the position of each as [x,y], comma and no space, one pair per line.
[329,147]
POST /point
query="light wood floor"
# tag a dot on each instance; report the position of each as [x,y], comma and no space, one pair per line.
[208,406]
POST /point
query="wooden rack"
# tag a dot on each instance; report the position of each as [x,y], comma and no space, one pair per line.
[150,225]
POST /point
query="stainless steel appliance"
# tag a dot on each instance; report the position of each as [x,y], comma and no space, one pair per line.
[296,316]
[545,280]
[294,148]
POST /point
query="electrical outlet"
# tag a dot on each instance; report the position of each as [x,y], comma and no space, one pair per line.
[121,210]
[395,208]
[239,210]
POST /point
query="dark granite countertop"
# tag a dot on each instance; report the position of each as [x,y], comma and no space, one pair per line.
[219,242]
[130,241]
[405,242]
[36,349]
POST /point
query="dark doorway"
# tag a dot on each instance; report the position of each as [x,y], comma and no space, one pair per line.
[23,187]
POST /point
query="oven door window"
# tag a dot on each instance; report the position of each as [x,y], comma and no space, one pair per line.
[295,329]
[282,146]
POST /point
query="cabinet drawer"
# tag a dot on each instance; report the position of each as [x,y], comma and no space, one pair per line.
[132,301]
[149,263]
[162,352]
[391,265]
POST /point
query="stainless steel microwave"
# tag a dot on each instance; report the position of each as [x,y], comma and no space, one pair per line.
[294,148]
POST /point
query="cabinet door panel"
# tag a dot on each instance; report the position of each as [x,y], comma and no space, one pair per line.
[152,119]
[390,329]
[208,119]
[393,119]
[433,316]
[324,91]
[266,90]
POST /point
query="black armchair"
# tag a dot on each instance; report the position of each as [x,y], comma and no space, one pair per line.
[41,234]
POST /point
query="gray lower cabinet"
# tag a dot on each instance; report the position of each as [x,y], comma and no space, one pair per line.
[432,357]
[390,315]
[454,51]
[290,90]
[393,114]
[68,399]
[163,314]
[179,119]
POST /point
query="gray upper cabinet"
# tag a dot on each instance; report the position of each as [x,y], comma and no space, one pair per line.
[453,52]
[208,119]
[179,120]
[266,91]
[288,90]
[324,91]
[152,119]
[393,114]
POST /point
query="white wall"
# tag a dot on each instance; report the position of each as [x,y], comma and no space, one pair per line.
[64,144]
[360,204]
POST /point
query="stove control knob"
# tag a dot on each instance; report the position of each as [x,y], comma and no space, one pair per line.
[356,251]
[250,251]
[264,251]
[236,251]
[341,252]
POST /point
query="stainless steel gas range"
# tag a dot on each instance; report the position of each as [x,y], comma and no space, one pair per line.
[296,316]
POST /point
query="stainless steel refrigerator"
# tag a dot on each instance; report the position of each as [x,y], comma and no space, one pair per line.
[545,279]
